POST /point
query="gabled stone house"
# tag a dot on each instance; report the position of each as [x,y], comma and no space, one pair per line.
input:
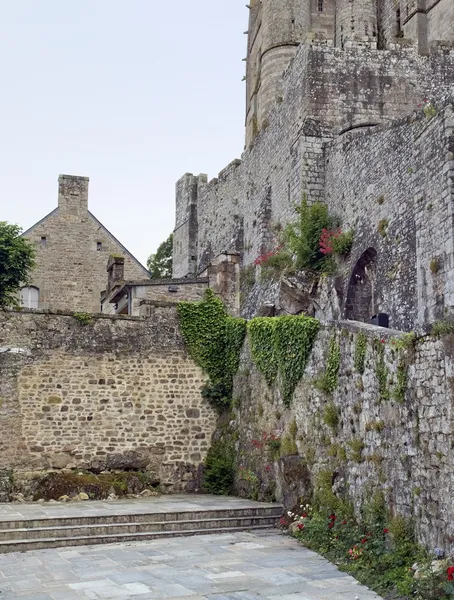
[72,251]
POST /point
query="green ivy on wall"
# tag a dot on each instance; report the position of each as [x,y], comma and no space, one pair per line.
[327,382]
[360,352]
[282,345]
[214,340]
[381,371]
[402,381]
[263,347]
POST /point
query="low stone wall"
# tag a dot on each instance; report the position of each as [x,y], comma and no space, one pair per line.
[389,428]
[101,393]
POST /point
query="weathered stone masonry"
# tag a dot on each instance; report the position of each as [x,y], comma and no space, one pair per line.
[400,445]
[363,86]
[114,393]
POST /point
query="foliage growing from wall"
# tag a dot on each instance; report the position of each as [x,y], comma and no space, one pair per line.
[219,469]
[402,381]
[295,337]
[336,241]
[328,381]
[17,259]
[441,328]
[331,416]
[303,236]
[83,318]
[282,345]
[263,346]
[381,371]
[160,264]
[360,352]
[214,340]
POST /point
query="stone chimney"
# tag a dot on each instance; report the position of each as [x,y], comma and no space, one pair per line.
[115,270]
[73,194]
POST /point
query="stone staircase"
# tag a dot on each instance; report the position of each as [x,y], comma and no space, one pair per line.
[53,532]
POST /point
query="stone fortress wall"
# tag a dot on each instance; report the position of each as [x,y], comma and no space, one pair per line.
[110,393]
[363,92]
[388,437]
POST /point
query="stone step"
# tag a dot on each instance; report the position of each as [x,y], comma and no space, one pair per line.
[115,519]
[26,544]
[96,529]
[53,531]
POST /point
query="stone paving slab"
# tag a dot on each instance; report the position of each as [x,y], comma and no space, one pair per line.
[239,566]
[158,504]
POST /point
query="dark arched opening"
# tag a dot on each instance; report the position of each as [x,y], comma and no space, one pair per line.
[361,296]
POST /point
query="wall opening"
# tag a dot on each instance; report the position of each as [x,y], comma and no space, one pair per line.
[362,296]
[29,297]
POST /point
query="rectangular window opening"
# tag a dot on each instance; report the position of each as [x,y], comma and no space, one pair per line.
[99,246]
[43,241]
[320,5]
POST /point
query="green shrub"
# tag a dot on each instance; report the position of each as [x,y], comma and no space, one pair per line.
[441,328]
[303,237]
[219,470]
[331,416]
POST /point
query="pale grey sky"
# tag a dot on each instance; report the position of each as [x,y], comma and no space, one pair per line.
[132,94]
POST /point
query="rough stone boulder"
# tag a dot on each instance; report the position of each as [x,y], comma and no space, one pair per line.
[127,461]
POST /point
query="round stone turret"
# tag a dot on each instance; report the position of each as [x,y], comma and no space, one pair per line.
[356,22]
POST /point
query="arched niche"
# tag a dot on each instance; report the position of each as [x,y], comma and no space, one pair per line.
[361,295]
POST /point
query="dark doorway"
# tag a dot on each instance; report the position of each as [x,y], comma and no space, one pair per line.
[361,295]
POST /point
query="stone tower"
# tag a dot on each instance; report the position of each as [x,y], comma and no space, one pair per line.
[276,29]
[356,21]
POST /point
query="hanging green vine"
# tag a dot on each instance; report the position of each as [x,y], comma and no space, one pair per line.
[381,371]
[235,332]
[402,381]
[263,347]
[214,340]
[282,345]
[295,337]
[327,382]
[360,352]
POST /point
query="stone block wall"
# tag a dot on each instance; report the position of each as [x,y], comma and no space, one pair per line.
[390,439]
[327,92]
[399,204]
[114,392]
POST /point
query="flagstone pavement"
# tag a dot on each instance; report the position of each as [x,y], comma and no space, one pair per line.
[237,566]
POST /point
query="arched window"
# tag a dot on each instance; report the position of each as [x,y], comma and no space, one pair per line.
[29,297]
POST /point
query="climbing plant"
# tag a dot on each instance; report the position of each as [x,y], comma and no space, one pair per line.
[294,338]
[381,371]
[282,346]
[327,382]
[360,352]
[402,381]
[214,340]
[263,346]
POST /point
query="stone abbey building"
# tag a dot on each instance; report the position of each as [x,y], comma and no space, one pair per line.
[348,102]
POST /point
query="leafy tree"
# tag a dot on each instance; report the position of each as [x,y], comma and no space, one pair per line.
[160,264]
[16,261]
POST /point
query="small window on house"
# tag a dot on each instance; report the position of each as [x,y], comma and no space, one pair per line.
[43,241]
[99,246]
[29,297]
[320,5]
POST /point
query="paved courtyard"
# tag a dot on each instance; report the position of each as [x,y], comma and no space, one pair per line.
[237,566]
